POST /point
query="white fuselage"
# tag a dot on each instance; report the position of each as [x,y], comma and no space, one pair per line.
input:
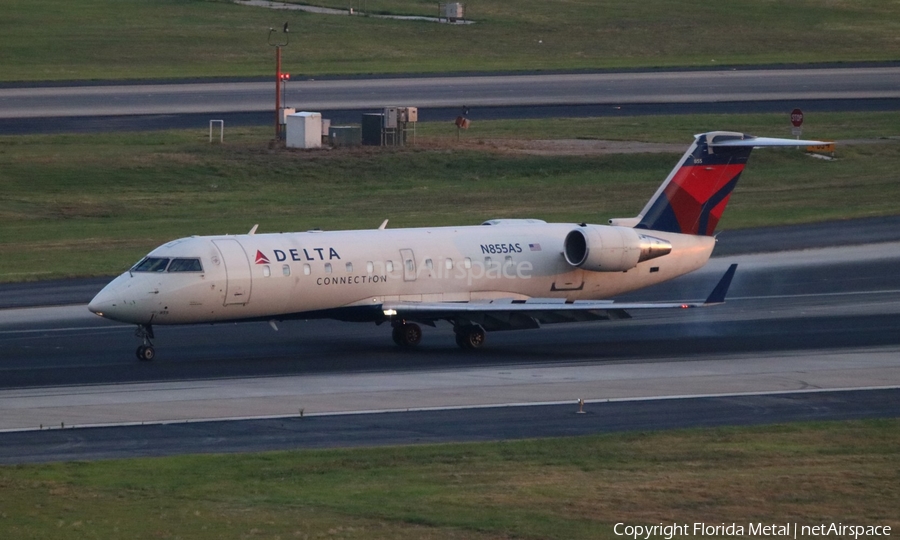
[274,276]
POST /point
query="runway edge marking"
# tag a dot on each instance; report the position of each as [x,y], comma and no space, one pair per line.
[452,408]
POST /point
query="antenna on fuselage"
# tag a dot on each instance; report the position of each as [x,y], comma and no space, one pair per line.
[253,230]
[383,225]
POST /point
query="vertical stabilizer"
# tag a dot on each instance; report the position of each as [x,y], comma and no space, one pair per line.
[694,195]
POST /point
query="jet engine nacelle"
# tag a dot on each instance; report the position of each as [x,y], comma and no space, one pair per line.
[600,248]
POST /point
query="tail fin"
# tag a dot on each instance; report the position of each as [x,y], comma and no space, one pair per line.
[694,195]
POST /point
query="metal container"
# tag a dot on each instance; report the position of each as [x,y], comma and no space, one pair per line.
[304,130]
[390,117]
[371,128]
[341,136]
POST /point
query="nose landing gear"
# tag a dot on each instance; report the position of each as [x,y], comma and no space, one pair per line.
[145,352]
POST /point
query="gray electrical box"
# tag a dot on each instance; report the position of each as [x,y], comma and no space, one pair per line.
[390,117]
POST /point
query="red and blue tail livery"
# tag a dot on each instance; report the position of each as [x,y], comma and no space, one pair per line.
[693,197]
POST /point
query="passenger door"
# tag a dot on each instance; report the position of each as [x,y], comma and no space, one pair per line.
[237,270]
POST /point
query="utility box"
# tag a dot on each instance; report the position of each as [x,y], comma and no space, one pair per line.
[285,112]
[344,136]
[326,126]
[390,117]
[304,130]
[453,11]
[372,129]
[409,115]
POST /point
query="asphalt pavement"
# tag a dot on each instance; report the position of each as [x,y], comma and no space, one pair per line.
[432,427]
[149,105]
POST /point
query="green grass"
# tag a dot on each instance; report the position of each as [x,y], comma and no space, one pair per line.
[571,488]
[138,39]
[92,204]
[674,128]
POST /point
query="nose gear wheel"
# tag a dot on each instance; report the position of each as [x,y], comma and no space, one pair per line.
[145,352]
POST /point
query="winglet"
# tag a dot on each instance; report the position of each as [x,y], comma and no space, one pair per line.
[253,230]
[383,225]
[717,296]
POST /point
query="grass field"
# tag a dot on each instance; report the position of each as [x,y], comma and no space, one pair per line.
[139,39]
[568,489]
[92,204]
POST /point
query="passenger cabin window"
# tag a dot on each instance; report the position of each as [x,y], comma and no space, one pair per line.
[306,270]
[285,269]
[151,264]
[349,267]
[370,267]
[428,264]
[185,265]
[467,263]
[449,264]
[390,266]
[327,268]
[267,271]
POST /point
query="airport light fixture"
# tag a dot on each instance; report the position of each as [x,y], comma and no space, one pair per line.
[279,80]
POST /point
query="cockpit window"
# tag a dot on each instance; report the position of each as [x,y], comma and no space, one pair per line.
[159,264]
[185,265]
[151,264]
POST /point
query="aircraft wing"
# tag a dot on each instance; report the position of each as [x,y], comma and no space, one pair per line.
[508,314]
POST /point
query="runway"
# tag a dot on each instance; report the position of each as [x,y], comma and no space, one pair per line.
[154,106]
[821,319]
[444,426]
[814,299]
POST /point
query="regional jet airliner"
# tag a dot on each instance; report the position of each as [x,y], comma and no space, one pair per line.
[504,274]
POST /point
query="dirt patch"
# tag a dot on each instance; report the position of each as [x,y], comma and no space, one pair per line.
[557,147]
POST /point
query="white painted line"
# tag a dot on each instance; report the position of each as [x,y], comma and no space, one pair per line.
[452,408]
[72,329]
[812,295]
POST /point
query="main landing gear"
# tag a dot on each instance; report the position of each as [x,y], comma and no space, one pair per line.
[145,352]
[468,336]
[407,334]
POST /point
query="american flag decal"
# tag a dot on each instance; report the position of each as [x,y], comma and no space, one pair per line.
[534,247]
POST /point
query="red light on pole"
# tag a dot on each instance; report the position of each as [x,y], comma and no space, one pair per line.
[278,76]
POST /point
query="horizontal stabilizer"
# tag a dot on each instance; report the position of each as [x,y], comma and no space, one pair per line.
[693,197]
[717,296]
[759,142]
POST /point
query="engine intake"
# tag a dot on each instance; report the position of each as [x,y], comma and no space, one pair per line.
[600,248]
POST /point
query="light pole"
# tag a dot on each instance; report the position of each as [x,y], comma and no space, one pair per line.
[278,81]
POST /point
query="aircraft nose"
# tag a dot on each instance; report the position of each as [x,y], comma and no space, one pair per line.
[120,301]
[106,302]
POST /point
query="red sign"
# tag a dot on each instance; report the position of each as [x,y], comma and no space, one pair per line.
[797,117]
